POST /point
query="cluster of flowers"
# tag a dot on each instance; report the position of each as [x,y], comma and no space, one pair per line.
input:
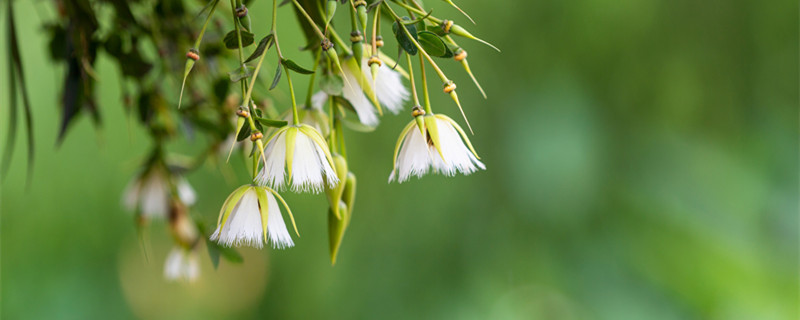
[303,151]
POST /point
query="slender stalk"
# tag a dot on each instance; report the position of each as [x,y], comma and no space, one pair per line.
[411,78]
[205,24]
[424,85]
[313,78]
[310,21]
[295,118]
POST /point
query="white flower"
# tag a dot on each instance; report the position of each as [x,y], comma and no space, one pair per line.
[181,264]
[302,152]
[388,86]
[149,193]
[251,216]
[440,149]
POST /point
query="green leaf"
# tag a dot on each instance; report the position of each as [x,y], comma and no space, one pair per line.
[434,45]
[240,73]
[277,77]
[402,37]
[244,133]
[213,253]
[295,67]
[262,47]
[331,84]
[272,123]
[232,41]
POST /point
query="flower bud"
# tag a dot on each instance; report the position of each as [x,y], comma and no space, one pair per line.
[361,12]
[330,9]
[335,194]
[374,64]
[358,47]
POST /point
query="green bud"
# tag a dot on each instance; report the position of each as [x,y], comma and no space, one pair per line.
[349,195]
[336,229]
[358,52]
[361,11]
[335,194]
[330,9]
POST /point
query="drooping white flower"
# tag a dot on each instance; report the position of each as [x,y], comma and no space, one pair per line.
[387,88]
[149,193]
[300,155]
[438,146]
[251,216]
[181,264]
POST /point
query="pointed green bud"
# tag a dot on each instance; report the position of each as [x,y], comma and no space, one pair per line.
[419,118]
[460,31]
[336,229]
[191,57]
[361,12]
[349,195]
[330,10]
[335,194]
[374,64]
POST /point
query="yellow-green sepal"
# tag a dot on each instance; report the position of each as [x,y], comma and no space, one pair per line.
[291,139]
[230,203]
[433,133]
[263,205]
[361,12]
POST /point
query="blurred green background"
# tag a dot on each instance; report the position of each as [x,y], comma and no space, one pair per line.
[642,164]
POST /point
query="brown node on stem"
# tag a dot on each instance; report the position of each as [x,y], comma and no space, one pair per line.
[242,113]
[378,41]
[449,87]
[446,25]
[326,44]
[461,54]
[417,111]
[193,54]
[241,11]
[373,60]
[355,36]
[256,136]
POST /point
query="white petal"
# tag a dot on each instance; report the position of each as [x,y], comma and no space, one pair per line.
[276,227]
[173,264]
[185,192]
[388,86]
[318,100]
[458,158]
[353,93]
[306,166]
[273,173]
[413,158]
[243,226]
[154,196]
[130,197]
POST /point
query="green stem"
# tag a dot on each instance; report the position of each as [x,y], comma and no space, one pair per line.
[313,78]
[424,85]
[295,118]
[310,21]
[411,78]
[203,29]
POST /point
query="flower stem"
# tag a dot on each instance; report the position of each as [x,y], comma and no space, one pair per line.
[411,78]
[295,118]
[424,85]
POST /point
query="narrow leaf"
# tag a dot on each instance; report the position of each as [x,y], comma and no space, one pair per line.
[277,77]
[232,41]
[272,123]
[295,67]
[262,47]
